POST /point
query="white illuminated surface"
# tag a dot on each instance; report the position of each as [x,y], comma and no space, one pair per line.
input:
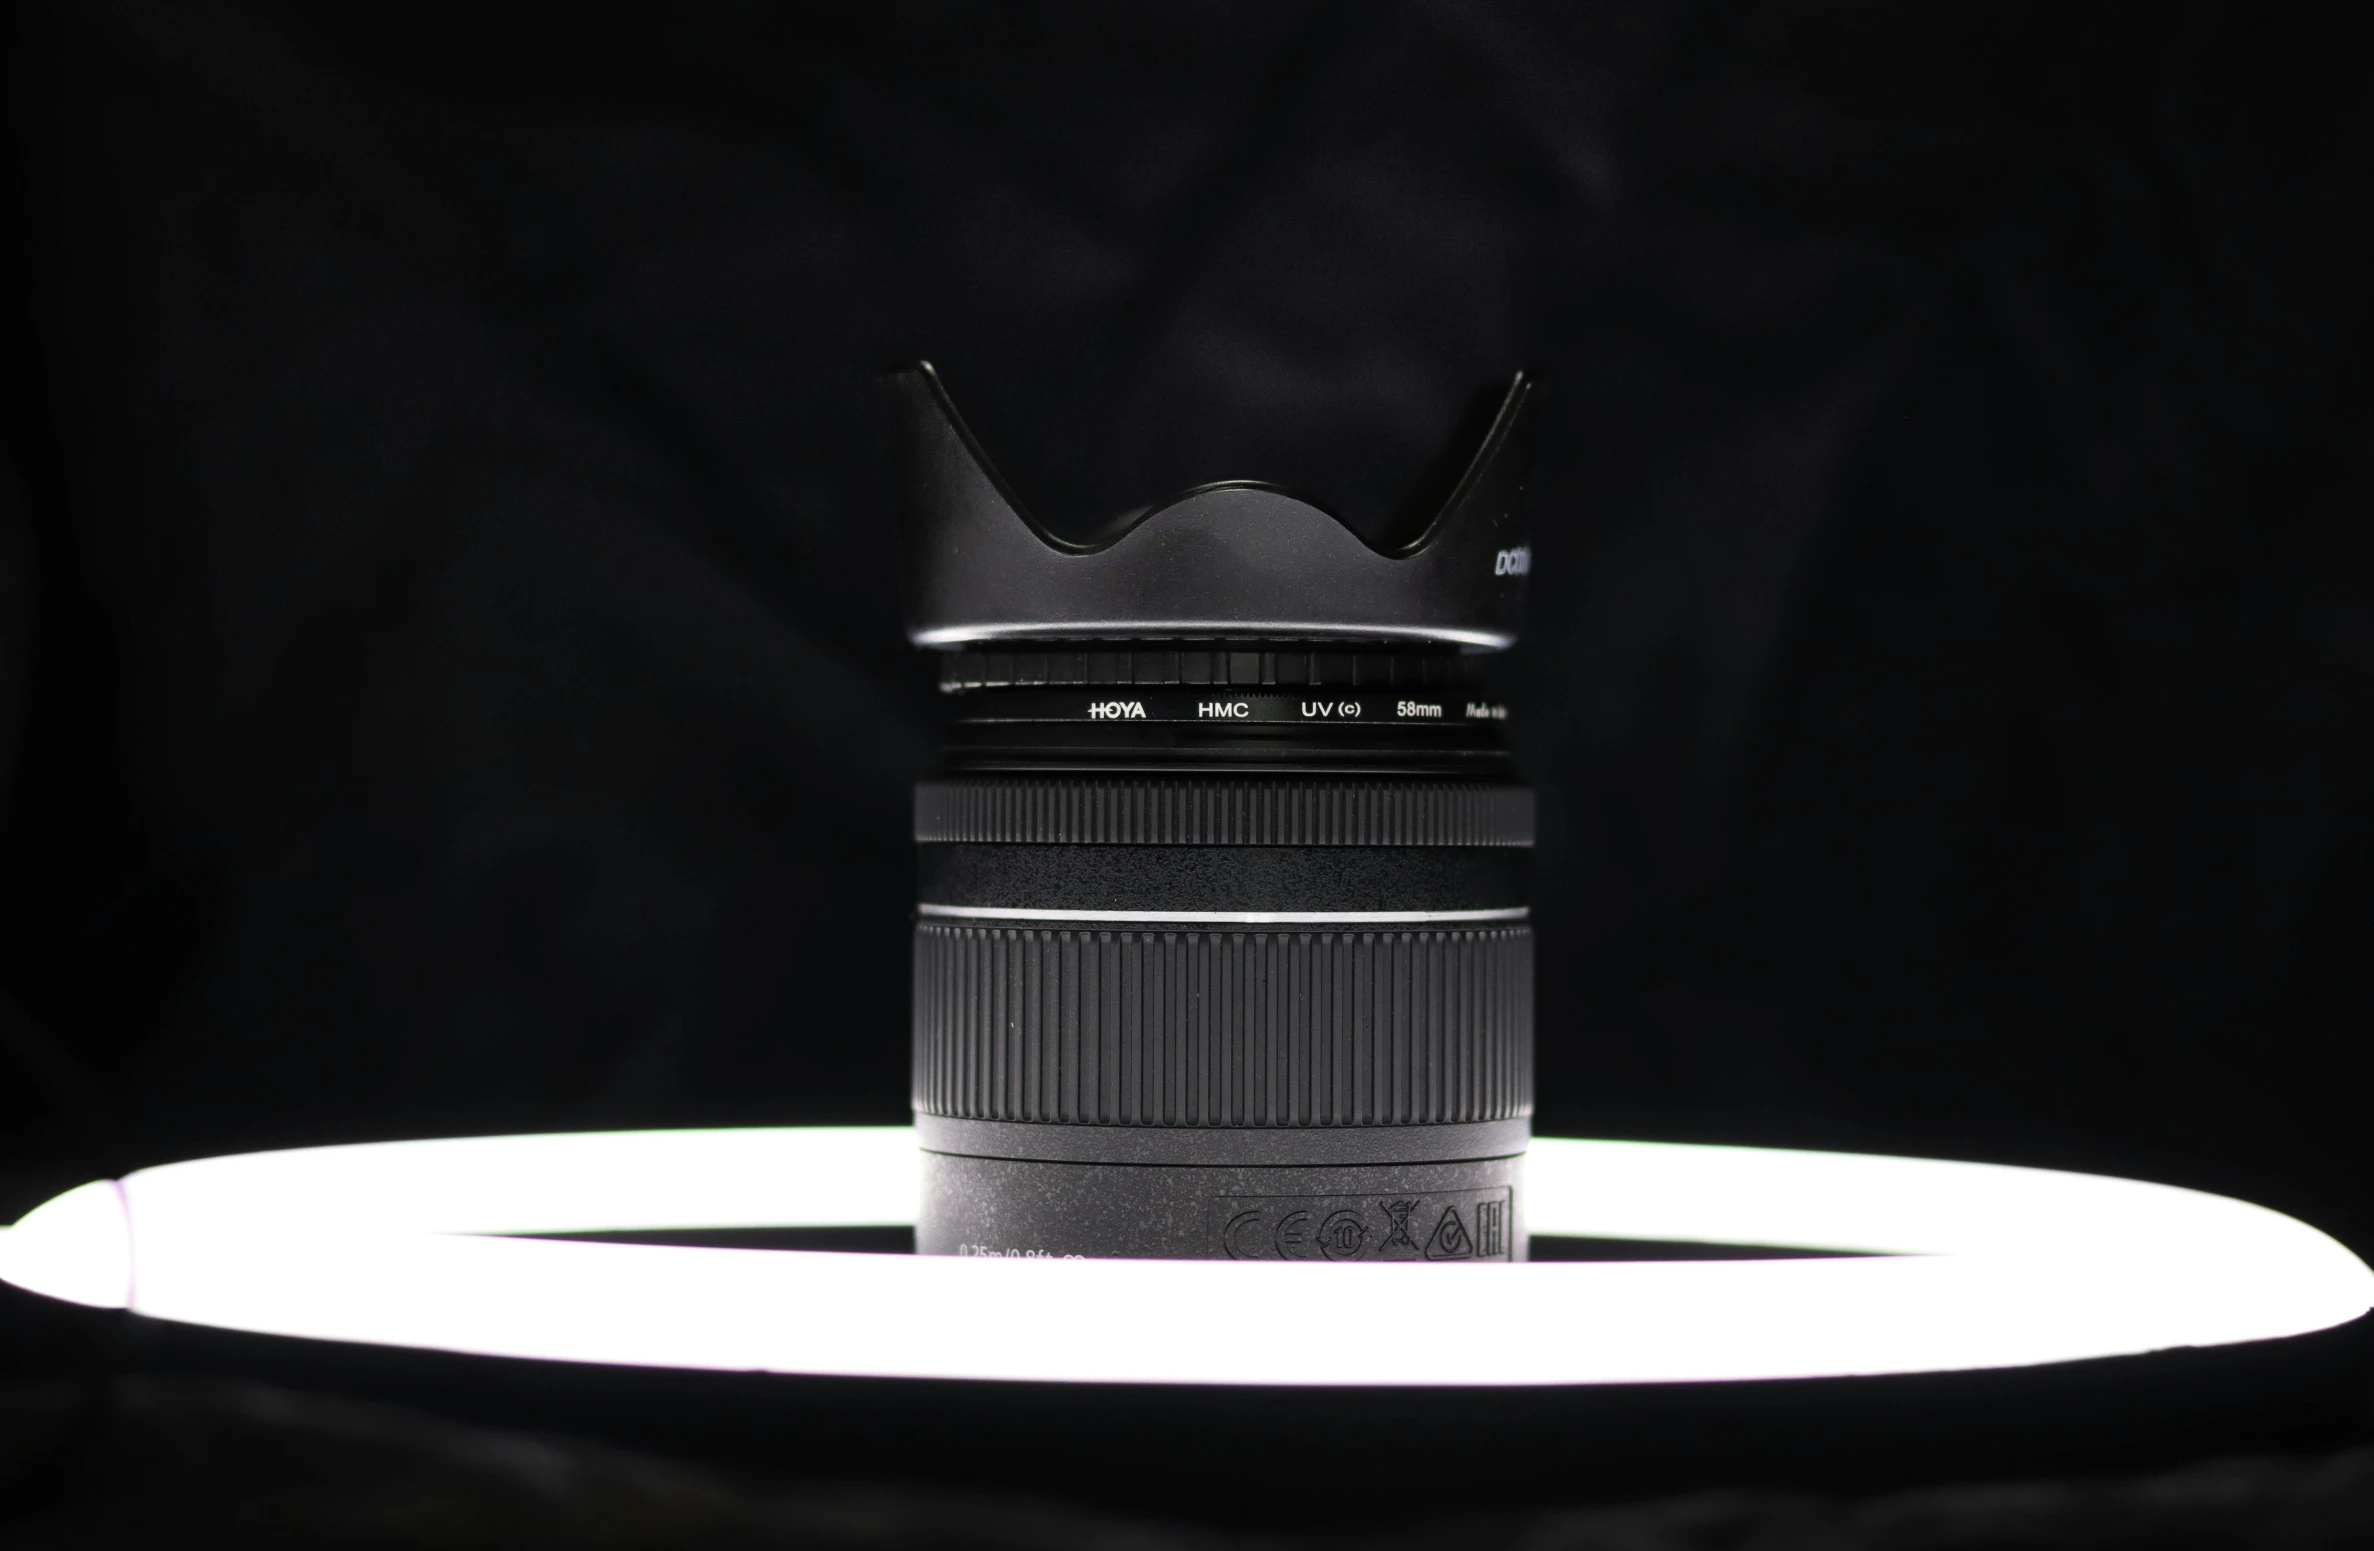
[1974,1266]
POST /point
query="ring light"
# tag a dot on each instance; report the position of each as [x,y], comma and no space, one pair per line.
[1961,1266]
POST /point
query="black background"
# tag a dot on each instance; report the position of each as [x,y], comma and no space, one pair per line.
[451,675]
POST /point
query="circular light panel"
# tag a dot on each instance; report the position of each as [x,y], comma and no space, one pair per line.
[1960,1266]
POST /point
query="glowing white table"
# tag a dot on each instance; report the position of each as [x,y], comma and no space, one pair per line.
[1969,1266]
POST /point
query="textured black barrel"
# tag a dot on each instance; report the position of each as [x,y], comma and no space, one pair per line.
[1207,812]
[1205,1027]
[1202,1015]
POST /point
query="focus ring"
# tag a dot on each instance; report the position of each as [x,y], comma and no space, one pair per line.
[1223,1028]
[1072,811]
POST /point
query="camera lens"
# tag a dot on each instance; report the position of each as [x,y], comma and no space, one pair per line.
[1221,945]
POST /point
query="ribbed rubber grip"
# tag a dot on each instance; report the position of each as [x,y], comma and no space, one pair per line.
[1223,1028]
[1044,810]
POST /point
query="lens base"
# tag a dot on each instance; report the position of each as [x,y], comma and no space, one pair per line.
[1419,1213]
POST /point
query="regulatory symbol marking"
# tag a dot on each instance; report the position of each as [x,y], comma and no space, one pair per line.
[1342,1235]
[1397,1213]
[1450,1241]
[1238,1237]
[1297,1239]
[1491,1230]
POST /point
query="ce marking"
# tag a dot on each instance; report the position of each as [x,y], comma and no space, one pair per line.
[1242,1238]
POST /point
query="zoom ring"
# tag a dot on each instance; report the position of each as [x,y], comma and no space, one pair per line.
[1226,1028]
[1042,811]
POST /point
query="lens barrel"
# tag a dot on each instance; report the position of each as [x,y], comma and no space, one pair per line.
[1221,945]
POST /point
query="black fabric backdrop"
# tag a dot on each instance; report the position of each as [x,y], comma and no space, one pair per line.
[451,675]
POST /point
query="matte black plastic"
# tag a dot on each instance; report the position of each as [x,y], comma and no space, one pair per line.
[1237,560]
[1206,811]
[1271,1147]
[1200,879]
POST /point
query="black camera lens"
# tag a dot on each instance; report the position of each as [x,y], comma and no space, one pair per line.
[1221,945]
